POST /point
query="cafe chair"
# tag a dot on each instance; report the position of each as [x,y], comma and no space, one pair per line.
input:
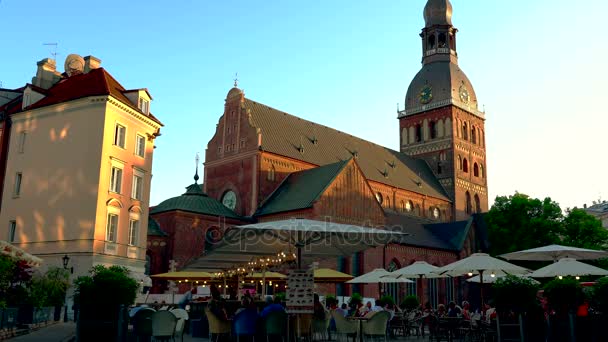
[344,327]
[163,325]
[376,326]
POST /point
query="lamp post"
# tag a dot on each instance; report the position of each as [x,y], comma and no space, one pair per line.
[66,261]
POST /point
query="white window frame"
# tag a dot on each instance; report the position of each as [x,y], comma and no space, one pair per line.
[116,182]
[22,136]
[117,141]
[12,229]
[17,185]
[111,236]
[140,150]
[144,105]
[137,174]
[134,225]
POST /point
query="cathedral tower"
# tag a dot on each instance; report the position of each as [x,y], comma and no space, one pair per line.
[441,122]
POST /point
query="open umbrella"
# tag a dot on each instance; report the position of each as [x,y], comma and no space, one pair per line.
[184,275]
[329,276]
[480,263]
[492,280]
[555,252]
[19,254]
[567,267]
[379,275]
[419,269]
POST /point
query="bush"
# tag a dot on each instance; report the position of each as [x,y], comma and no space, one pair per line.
[564,295]
[600,295]
[515,293]
[49,289]
[330,299]
[355,299]
[280,295]
[387,300]
[410,303]
[110,286]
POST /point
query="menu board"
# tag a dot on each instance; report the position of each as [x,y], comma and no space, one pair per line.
[300,291]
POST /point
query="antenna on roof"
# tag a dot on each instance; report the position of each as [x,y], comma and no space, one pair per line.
[236,79]
[54,49]
[196,160]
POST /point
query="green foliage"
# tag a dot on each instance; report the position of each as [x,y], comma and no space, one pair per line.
[281,296]
[330,299]
[106,285]
[519,222]
[410,303]
[600,295]
[355,299]
[515,293]
[564,295]
[15,276]
[386,299]
[583,230]
[49,289]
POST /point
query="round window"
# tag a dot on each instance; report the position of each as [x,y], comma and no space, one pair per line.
[229,199]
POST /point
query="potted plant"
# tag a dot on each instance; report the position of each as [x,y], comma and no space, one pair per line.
[515,294]
[102,298]
[386,299]
[563,296]
[355,300]
[410,303]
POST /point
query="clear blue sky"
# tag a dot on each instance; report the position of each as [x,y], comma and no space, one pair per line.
[537,66]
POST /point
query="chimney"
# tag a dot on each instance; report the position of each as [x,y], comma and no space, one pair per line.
[90,63]
[46,74]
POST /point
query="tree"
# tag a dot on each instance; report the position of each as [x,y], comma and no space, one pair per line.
[583,230]
[519,222]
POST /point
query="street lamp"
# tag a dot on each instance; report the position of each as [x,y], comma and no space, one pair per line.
[66,261]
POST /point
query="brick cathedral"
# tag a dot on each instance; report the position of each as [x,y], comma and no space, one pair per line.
[265,165]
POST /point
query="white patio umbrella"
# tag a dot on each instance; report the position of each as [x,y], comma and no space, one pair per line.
[568,267]
[417,270]
[379,275]
[555,252]
[492,280]
[480,263]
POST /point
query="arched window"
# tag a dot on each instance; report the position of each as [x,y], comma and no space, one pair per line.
[402,206]
[477,204]
[468,203]
[481,171]
[459,163]
[431,42]
[473,135]
[442,40]
[409,206]
[388,202]
[433,129]
[439,168]
[417,209]
[458,131]
[418,133]
[436,213]
[475,170]
[465,131]
[465,165]
[404,136]
[440,129]
[443,156]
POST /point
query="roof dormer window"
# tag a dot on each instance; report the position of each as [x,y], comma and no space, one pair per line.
[144,105]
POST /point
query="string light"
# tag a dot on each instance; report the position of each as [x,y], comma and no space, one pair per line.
[560,277]
[470,274]
[492,275]
[577,277]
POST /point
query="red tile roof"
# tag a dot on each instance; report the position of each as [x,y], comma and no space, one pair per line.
[94,83]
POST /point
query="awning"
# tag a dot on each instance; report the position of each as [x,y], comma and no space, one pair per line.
[315,240]
[19,254]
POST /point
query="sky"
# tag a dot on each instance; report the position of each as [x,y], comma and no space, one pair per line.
[538,68]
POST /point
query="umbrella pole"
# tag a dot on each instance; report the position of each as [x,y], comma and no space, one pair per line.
[481,288]
[264,283]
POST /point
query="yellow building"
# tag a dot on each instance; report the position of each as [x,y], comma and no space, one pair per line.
[77,151]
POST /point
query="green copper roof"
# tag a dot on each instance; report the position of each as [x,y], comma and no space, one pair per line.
[301,189]
[154,228]
[194,200]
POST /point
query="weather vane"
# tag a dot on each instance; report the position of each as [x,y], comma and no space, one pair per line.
[236,79]
[196,159]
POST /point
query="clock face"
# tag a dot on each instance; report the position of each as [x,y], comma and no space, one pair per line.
[464,94]
[229,200]
[426,94]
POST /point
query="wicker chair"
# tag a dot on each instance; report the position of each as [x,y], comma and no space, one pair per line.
[376,325]
[276,325]
[182,317]
[142,324]
[163,325]
[345,327]
[302,324]
[216,326]
[320,327]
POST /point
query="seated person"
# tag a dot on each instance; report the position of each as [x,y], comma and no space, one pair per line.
[441,311]
[377,307]
[466,310]
[453,310]
[490,312]
[343,310]
[272,307]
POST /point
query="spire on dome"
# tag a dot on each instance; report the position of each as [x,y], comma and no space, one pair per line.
[196,159]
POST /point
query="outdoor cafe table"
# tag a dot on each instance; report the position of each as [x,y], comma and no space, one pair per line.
[361,320]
